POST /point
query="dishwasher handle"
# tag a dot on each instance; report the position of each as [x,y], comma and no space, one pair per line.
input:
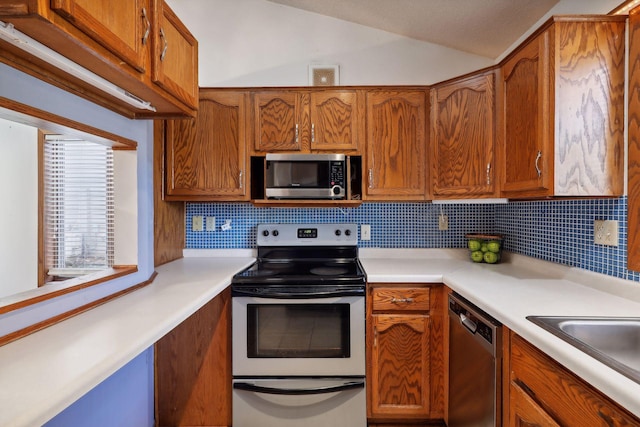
[468,323]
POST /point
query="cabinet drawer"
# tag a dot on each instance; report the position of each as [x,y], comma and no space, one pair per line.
[400,299]
[565,397]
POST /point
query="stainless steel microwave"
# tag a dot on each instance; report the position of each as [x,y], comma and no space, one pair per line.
[305,176]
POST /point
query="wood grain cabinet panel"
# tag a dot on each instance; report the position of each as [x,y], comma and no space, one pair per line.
[277,121]
[396,145]
[122,26]
[335,121]
[175,55]
[206,156]
[543,393]
[563,110]
[405,354]
[307,120]
[193,368]
[463,138]
[633,248]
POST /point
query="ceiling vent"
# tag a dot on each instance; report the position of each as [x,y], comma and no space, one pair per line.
[324,75]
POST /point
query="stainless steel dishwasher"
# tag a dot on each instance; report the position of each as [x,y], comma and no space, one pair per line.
[475,361]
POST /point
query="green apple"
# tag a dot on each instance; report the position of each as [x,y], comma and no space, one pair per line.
[484,247]
[477,256]
[491,257]
[494,246]
[474,245]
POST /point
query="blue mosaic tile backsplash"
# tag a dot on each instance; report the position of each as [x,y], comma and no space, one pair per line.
[559,231]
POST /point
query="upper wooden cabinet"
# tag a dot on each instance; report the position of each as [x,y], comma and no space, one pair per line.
[563,110]
[396,159]
[175,55]
[304,121]
[206,157]
[138,45]
[463,138]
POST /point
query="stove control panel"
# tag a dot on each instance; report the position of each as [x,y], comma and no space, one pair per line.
[307,234]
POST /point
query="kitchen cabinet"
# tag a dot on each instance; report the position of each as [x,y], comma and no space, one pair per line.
[405,361]
[543,393]
[633,203]
[304,121]
[193,368]
[206,156]
[463,137]
[140,46]
[396,159]
[562,108]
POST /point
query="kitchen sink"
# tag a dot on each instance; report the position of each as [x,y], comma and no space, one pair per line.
[614,341]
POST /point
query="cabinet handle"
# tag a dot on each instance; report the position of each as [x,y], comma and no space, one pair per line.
[375,338]
[370,178]
[395,300]
[147,25]
[166,45]
[240,180]
[538,157]
[313,132]
[488,173]
[297,133]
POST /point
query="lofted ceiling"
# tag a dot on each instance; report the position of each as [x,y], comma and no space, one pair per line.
[481,27]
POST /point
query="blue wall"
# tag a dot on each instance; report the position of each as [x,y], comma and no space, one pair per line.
[125,399]
[560,231]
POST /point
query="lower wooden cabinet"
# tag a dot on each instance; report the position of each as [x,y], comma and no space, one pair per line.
[193,368]
[405,362]
[545,394]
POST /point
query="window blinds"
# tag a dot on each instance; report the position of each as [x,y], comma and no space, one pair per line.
[78,206]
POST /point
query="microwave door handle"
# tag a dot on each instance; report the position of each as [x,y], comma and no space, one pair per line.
[349,385]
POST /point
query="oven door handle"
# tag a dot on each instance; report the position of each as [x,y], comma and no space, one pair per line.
[350,385]
[297,295]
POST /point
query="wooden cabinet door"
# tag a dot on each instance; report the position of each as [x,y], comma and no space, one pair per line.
[528,122]
[396,145]
[633,180]
[525,412]
[399,379]
[175,56]
[463,163]
[335,121]
[121,26]
[277,124]
[206,157]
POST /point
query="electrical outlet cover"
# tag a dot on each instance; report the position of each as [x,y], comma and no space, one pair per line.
[605,232]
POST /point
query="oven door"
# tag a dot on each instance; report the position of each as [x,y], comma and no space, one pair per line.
[298,337]
[309,402]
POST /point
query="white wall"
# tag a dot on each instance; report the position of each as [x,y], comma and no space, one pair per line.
[19,211]
[259,43]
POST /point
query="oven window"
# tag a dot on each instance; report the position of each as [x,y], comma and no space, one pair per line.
[298,330]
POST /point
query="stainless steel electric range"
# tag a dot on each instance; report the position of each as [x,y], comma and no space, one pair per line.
[299,329]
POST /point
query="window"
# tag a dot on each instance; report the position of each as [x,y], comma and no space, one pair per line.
[78,207]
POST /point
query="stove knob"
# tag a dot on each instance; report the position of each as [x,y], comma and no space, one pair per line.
[275,233]
[347,232]
[265,233]
[338,232]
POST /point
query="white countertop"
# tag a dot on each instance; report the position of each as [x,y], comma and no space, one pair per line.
[520,287]
[76,355]
[43,373]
